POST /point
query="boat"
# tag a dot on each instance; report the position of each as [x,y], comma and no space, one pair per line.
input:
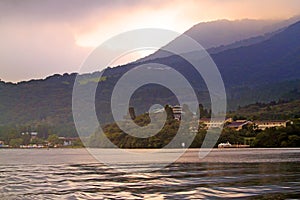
[224,145]
[228,145]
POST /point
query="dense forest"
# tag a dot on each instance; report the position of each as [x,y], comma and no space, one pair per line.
[271,137]
[274,110]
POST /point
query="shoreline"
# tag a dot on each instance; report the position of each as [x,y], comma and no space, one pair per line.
[192,148]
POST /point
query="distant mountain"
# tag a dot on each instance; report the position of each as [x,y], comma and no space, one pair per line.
[220,35]
[243,43]
[34,103]
[273,60]
[249,72]
[224,32]
[264,71]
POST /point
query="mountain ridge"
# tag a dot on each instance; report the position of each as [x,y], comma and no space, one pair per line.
[204,32]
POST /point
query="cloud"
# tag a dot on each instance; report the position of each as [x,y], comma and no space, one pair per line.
[39,38]
[37,50]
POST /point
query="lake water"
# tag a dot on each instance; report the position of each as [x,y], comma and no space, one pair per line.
[224,173]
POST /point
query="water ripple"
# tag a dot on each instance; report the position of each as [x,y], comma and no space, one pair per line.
[199,180]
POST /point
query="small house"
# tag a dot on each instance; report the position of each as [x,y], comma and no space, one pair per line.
[177,112]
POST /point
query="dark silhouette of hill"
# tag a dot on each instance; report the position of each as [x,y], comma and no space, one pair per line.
[220,35]
[274,60]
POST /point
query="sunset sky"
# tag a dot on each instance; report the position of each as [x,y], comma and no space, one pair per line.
[40,38]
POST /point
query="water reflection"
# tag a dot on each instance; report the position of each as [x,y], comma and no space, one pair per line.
[181,180]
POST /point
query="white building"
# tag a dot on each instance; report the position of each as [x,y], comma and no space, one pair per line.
[271,123]
[214,123]
[177,112]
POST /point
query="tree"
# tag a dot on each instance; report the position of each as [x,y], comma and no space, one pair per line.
[169,111]
[293,141]
[37,141]
[26,138]
[77,143]
[16,142]
[53,139]
[204,113]
[132,113]
[44,129]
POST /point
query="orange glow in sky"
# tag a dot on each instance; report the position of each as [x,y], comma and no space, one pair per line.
[40,38]
[181,15]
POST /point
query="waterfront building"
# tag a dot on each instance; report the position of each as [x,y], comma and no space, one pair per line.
[271,123]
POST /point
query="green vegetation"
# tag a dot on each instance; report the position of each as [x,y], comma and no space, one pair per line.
[50,100]
[12,134]
[268,111]
[271,137]
[280,137]
[123,140]
[95,80]
[16,142]
[42,135]
[44,106]
[53,139]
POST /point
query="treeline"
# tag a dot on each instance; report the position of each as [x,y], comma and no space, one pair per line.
[273,137]
[274,110]
[9,132]
[16,135]
[123,140]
